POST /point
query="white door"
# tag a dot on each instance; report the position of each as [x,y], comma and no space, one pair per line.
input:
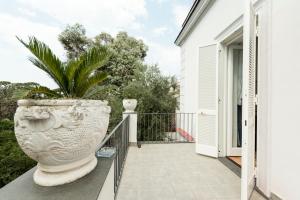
[248,138]
[207,119]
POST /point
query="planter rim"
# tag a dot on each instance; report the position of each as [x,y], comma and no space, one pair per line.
[61,102]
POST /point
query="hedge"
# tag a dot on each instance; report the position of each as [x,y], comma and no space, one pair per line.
[13,162]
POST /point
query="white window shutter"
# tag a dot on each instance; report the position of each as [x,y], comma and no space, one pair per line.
[207,135]
[249,77]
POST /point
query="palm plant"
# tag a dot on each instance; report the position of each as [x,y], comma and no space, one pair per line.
[76,78]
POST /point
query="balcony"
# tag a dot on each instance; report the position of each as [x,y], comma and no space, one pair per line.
[165,167]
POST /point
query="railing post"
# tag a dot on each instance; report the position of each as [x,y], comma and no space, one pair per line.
[129,106]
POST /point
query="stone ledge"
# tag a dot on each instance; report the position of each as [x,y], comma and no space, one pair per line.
[88,187]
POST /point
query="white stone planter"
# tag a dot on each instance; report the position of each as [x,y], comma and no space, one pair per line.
[61,135]
[129,104]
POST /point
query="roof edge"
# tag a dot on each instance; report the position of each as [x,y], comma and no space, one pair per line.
[195,12]
[195,4]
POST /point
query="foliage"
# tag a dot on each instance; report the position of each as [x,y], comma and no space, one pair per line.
[6,125]
[75,77]
[7,89]
[127,56]
[152,90]
[152,127]
[121,56]
[74,40]
[155,95]
[130,76]
[8,102]
[127,53]
[7,109]
[13,162]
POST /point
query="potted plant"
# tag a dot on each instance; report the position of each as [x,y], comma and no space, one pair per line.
[61,133]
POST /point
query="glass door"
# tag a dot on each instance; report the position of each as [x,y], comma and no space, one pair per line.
[235,100]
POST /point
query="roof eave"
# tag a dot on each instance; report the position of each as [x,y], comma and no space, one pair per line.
[196,11]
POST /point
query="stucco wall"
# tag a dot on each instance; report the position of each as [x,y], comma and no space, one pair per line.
[284,89]
[221,14]
[285,101]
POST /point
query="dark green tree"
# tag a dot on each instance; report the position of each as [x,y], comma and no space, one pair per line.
[153,91]
[127,56]
[74,40]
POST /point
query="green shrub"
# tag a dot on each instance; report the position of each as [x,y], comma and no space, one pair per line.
[6,124]
[7,108]
[13,162]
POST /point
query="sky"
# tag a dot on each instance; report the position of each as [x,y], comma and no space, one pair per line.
[156,22]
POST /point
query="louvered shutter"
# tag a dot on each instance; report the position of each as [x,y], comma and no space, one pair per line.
[207,135]
[249,77]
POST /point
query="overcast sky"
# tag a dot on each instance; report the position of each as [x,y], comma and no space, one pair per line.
[157,22]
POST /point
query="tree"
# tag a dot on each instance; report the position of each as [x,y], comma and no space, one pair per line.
[104,39]
[127,53]
[130,77]
[154,94]
[7,89]
[74,40]
[152,89]
[127,56]
[76,78]
[8,100]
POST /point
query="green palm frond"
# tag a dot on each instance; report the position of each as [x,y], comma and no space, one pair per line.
[91,61]
[46,60]
[44,91]
[75,77]
[92,92]
[71,69]
[90,82]
[41,91]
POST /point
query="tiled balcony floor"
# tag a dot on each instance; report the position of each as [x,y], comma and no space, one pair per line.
[176,172]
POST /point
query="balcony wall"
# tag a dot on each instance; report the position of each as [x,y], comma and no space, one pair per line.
[98,185]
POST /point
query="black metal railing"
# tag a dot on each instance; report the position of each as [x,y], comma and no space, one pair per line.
[116,143]
[165,127]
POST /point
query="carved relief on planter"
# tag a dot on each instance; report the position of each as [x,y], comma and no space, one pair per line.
[62,136]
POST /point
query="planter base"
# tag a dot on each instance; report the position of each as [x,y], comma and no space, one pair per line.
[52,179]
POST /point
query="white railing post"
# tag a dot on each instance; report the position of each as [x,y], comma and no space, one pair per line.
[129,106]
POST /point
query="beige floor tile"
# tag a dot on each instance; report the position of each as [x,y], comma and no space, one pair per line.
[176,172]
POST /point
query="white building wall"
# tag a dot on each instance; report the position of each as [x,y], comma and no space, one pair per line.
[220,15]
[182,80]
[284,90]
[285,98]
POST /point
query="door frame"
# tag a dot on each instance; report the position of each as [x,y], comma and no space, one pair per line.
[223,42]
[263,9]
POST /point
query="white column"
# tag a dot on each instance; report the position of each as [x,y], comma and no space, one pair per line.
[129,105]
